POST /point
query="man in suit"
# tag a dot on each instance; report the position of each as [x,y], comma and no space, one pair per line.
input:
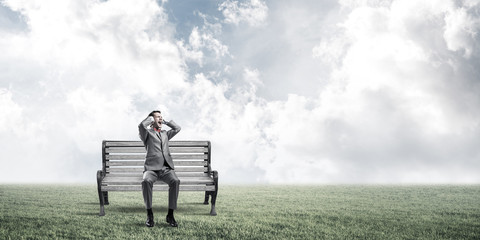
[158,163]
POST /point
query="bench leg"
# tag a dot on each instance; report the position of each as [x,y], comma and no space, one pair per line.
[105,198]
[214,194]
[207,194]
[101,196]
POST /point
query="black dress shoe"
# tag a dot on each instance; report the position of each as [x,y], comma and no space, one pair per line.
[171,221]
[150,222]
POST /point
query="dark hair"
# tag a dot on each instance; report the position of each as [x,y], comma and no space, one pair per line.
[154,111]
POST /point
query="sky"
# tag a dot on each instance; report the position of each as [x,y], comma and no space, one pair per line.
[288,92]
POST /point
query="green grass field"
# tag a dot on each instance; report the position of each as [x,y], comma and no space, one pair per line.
[246,212]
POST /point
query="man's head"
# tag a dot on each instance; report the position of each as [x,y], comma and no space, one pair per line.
[157,119]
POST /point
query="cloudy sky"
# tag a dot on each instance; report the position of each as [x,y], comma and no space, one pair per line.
[311,91]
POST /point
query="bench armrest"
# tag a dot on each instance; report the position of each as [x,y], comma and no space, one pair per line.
[214,174]
[100,176]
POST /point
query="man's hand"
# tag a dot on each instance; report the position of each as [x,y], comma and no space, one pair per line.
[150,120]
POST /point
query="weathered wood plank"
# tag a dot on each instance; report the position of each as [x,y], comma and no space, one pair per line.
[140,174]
[188,149]
[158,187]
[171,143]
[140,169]
[112,170]
[125,150]
[141,163]
[141,149]
[188,143]
[114,183]
[125,157]
[189,156]
[139,178]
[124,163]
[138,181]
[123,143]
[141,156]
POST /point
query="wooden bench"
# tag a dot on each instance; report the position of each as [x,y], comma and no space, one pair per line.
[122,169]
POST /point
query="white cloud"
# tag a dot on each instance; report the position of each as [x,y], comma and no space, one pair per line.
[206,40]
[203,43]
[253,12]
[386,89]
[83,72]
[381,117]
[330,51]
[10,116]
[462,30]
[399,100]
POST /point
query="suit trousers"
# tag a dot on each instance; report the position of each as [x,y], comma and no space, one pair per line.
[166,175]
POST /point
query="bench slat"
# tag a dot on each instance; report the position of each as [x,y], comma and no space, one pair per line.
[125,157]
[140,174]
[188,149]
[142,150]
[141,163]
[187,182]
[171,143]
[123,143]
[138,181]
[124,163]
[125,149]
[142,157]
[158,187]
[114,183]
[177,169]
[189,156]
[139,178]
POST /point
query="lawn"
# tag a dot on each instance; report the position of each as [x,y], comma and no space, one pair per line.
[247,212]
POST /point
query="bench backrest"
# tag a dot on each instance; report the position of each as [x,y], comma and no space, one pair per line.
[126,158]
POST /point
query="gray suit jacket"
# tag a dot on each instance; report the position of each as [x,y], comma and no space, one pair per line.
[156,144]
